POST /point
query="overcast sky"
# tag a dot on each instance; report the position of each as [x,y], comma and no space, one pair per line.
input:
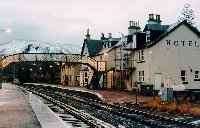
[67,20]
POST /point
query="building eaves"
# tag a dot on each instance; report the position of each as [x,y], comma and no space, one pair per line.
[171,29]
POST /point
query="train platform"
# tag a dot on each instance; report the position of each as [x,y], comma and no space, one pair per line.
[46,117]
[15,110]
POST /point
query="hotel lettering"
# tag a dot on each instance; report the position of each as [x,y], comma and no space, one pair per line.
[183,43]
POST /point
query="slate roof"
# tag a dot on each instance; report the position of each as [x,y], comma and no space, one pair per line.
[156,27]
[94,46]
[116,43]
[155,30]
[171,29]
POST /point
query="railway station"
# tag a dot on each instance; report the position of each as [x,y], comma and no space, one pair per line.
[145,76]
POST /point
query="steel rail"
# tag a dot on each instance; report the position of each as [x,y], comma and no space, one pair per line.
[142,116]
[87,118]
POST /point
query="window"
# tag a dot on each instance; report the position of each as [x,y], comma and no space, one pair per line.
[66,77]
[101,57]
[77,78]
[70,78]
[85,74]
[141,55]
[183,77]
[196,76]
[86,80]
[148,36]
[125,59]
[141,76]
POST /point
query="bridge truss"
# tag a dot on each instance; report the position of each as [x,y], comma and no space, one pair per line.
[52,57]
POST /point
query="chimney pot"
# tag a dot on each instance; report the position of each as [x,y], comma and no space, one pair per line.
[151,16]
[130,23]
[102,36]
[158,18]
[109,35]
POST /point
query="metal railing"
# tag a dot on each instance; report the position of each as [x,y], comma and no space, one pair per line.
[56,57]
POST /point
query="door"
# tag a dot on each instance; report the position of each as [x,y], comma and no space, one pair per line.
[157,81]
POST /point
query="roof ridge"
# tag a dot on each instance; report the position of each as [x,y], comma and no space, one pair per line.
[171,29]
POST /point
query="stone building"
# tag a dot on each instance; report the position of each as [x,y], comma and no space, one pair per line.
[70,74]
[90,52]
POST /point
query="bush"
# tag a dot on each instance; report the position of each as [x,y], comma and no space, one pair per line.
[173,107]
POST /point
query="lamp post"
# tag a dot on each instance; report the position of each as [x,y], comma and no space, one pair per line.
[106,73]
[13,71]
[123,42]
[136,94]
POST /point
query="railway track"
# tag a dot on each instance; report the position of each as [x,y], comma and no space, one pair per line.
[91,121]
[79,104]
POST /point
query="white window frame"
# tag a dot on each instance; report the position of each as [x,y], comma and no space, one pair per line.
[141,76]
[141,55]
[148,36]
[184,76]
[196,75]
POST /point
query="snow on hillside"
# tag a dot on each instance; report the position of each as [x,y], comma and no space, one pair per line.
[34,46]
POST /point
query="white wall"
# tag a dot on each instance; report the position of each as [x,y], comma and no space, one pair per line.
[169,60]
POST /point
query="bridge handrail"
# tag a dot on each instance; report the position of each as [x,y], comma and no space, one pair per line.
[18,57]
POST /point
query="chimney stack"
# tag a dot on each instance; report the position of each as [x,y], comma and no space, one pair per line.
[134,27]
[109,35]
[154,19]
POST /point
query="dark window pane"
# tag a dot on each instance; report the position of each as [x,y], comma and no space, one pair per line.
[182,72]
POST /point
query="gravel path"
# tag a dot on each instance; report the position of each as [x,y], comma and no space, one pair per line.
[15,111]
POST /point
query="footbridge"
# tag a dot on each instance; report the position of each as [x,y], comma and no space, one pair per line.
[24,64]
[51,57]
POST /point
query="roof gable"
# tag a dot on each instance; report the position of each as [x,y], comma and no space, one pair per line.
[93,46]
[172,29]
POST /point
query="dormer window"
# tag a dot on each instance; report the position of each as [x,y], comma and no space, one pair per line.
[148,36]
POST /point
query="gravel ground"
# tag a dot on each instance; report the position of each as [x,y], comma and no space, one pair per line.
[111,97]
[15,112]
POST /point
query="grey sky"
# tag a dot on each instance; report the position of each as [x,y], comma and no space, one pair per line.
[67,20]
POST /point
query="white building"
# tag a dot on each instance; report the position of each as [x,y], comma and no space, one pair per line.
[171,59]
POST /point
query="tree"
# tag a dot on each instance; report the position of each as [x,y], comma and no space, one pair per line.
[187,14]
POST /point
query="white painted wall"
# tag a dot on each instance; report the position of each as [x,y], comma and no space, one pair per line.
[170,60]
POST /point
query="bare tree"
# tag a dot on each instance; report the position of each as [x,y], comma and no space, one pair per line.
[187,14]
